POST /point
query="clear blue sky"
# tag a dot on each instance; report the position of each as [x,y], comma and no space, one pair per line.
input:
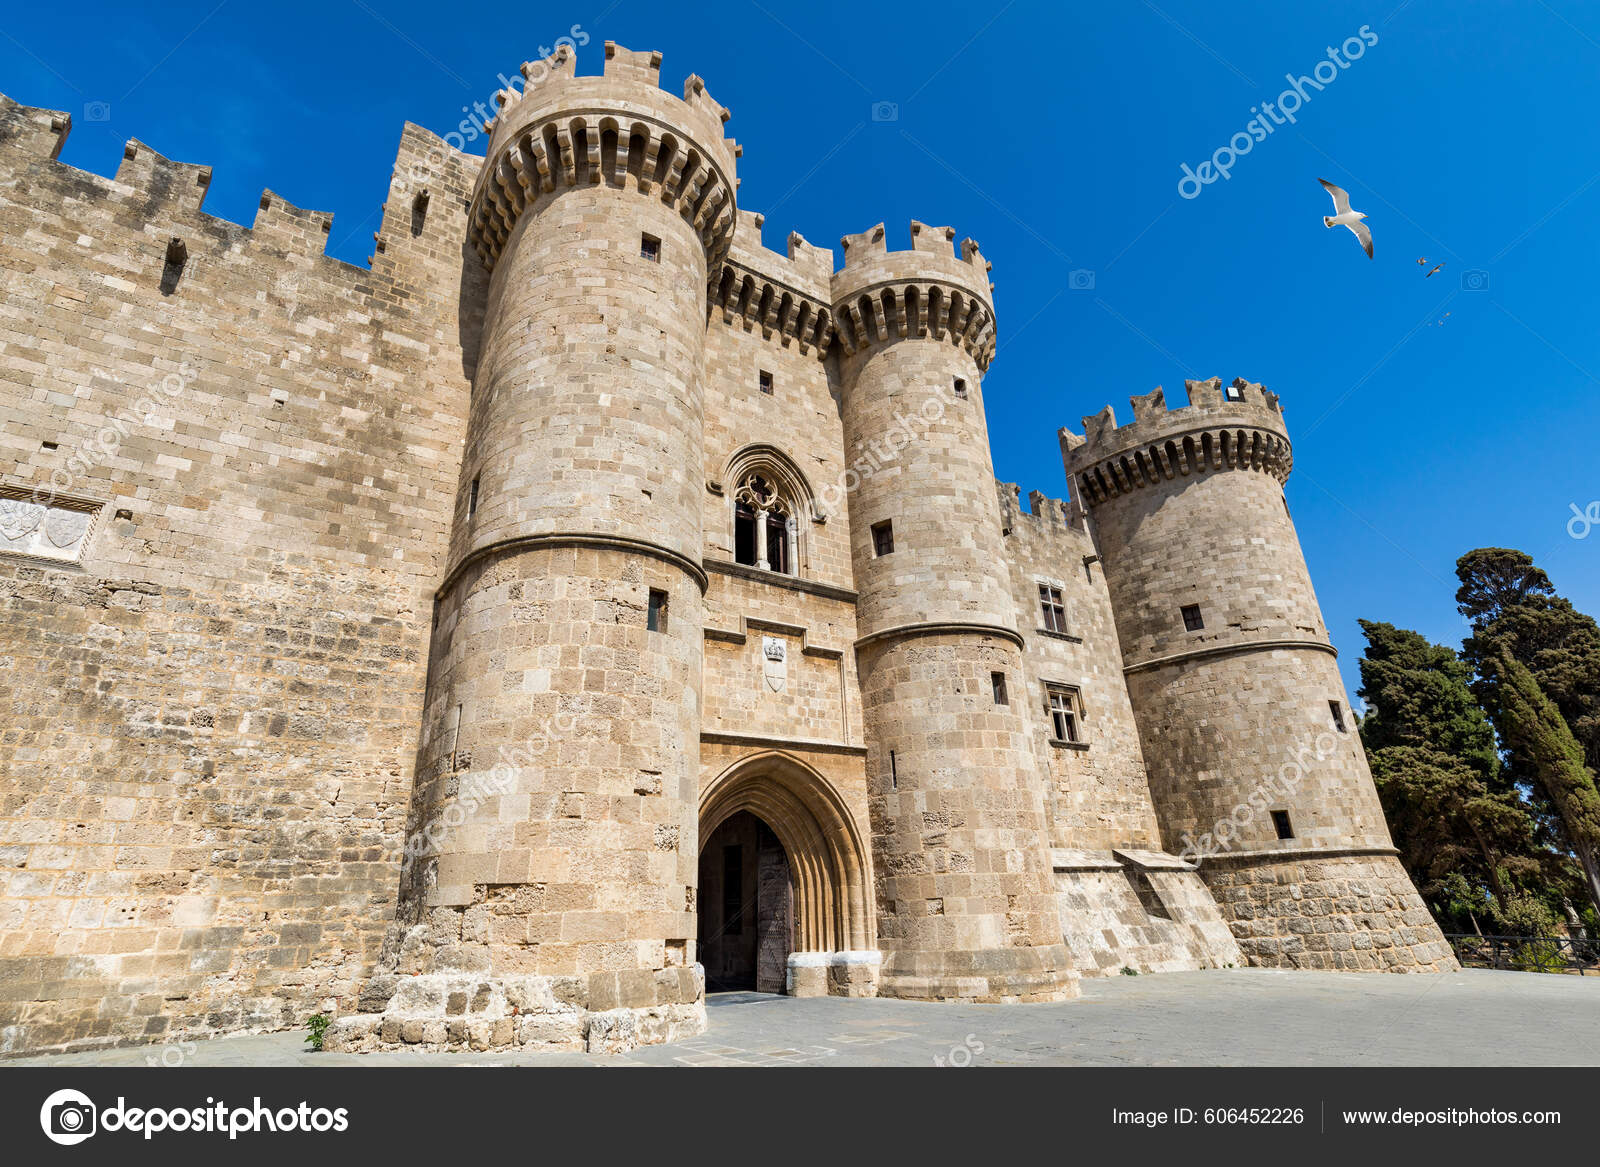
[1054,136]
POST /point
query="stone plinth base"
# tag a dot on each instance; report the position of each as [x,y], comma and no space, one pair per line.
[832,974]
[439,1012]
[985,975]
[1348,911]
[1143,910]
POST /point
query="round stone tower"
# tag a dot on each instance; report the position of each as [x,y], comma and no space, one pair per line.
[1255,767]
[548,897]
[965,897]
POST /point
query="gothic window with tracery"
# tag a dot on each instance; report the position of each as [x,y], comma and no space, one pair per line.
[763,526]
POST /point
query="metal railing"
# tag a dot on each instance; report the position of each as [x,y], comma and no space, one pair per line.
[1546,954]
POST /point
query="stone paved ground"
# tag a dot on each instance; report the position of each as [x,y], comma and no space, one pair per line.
[1224,1017]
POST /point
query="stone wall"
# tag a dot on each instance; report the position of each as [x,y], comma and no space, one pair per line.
[1100,793]
[210,706]
[1351,912]
[1118,913]
[575,591]
[1243,717]
[329,679]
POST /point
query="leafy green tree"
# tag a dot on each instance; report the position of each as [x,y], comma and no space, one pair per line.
[1420,694]
[1463,832]
[1512,605]
[1533,729]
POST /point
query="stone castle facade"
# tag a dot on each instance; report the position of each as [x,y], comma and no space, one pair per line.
[587,604]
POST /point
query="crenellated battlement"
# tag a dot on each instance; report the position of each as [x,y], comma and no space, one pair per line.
[881,295]
[37,131]
[181,184]
[1237,427]
[620,128]
[508,476]
[174,192]
[782,295]
[1043,516]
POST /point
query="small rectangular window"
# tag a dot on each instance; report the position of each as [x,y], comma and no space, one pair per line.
[472,499]
[1053,608]
[961,388]
[1061,703]
[894,774]
[656,619]
[997,682]
[1338,716]
[1192,621]
[650,248]
[765,381]
[882,537]
[1280,823]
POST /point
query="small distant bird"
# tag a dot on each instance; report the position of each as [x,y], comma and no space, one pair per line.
[1436,267]
[1345,217]
[1441,319]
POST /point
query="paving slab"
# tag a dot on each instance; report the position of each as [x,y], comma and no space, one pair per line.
[1224,1017]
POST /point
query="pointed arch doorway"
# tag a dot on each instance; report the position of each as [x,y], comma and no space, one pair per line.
[783,880]
[746,926]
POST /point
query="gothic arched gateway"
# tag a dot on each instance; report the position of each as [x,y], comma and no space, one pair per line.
[783,882]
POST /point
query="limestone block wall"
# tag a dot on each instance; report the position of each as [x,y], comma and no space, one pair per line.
[1121,902]
[778,665]
[576,590]
[965,898]
[769,314]
[1277,700]
[1358,913]
[1114,915]
[208,705]
[766,316]
[1253,759]
[1099,793]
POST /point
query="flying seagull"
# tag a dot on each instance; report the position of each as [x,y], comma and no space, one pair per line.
[1436,267]
[1345,217]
